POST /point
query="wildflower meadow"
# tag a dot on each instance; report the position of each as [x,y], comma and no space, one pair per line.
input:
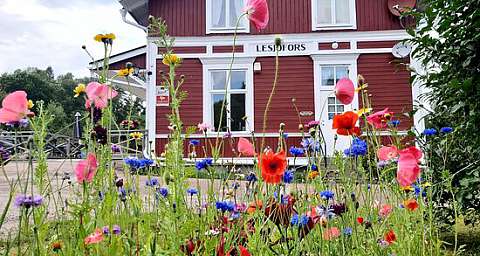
[375,197]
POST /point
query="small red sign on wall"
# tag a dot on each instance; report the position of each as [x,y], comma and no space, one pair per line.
[163,97]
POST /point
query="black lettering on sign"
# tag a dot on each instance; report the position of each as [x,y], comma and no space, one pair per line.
[290,47]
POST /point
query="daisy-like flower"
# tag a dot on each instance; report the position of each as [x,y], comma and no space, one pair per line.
[171,59]
[105,38]
[136,135]
[79,89]
[125,72]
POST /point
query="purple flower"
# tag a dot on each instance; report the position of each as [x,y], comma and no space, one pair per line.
[106,230]
[28,201]
[152,182]
[163,191]
[194,142]
[116,230]
[251,177]
[446,130]
[192,191]
[115,148]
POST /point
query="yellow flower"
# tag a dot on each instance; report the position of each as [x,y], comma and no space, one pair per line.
[364,111]
[407,188]
[427,184]
[30,104]
[365,86]
[107,38]
[125,72]
[136,135]
[313,174]
[79,90]
[171,59]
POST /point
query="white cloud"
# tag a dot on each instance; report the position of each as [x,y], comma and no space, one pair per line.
[42,33]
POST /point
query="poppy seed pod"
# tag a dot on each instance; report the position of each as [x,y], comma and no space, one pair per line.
[182,77]
[282,126]
[278,41]
[300,127]
[129,65]
[84,47]
[294,100]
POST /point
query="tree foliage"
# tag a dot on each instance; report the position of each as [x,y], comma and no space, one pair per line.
[447,42]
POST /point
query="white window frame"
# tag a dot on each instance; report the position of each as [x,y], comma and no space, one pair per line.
[319,61]
[243,64]
[317,27]
[212,30]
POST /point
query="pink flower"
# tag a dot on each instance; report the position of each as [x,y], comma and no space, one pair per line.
[313,123]
[94,238]
[245,147]
[257,13]
[380,119]
[344,91]
[408,168]
[387,153]
[14,107]
[99,94]
[385,210]
[203,127]
[331,233]
[86,169]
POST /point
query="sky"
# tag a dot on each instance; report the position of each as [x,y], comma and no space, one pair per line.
[42,33]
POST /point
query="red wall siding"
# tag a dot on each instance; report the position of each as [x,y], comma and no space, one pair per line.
[295,81]
[187,17]
[139,61]
[328,46]
[388,84]
[191,110]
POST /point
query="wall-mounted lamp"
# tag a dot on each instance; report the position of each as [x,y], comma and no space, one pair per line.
[257,67]
[335,45]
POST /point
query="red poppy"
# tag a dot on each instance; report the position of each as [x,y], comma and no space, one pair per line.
[410,204]
[345,124]
[273,166]
[390,237]
[243,251]
[360,220]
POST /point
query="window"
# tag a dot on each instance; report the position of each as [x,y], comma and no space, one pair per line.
[331,74]
[234,112]
[335,107]
[222,16]
[333,14]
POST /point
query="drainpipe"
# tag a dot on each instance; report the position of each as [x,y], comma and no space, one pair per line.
[123,12]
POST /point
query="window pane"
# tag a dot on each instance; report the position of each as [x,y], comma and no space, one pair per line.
[331,108]
[331,101]
[340,109]
[237,112]
[218,13]
[217,101]
[238,80]
[341,72]
[236,7]
[327,76]
[219,79]
[342,11]
[324,11]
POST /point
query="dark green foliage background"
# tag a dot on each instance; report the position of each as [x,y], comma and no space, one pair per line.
[452,79]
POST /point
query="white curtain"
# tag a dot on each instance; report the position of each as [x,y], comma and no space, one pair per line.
[218,13]
[342,11]
[236,7]
[324,11]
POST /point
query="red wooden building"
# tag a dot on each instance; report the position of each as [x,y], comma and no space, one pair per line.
[322,41]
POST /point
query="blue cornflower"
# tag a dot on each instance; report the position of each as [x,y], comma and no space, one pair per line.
[429,132]
[446,130]
[203,164]
[304,220]
[347,231]
[296,152]
[133,162]
[163,191]
[358,148]
[192,191]
[152,182]
[28,201]
[146,162]
[310,144]
[294,220]
[394,123]
[314,167]
[327,194]
[251,177]
[285,135]
[194,142]
[418,190]
[225,206]
[235,185]
[122,193]
[288,176]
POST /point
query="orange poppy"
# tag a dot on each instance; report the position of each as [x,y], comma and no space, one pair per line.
[390,237]
[410,204]
[255,206]
[345,124]
[273,166]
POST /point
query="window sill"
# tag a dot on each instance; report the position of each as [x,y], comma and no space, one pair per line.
[334,27]
[227,31]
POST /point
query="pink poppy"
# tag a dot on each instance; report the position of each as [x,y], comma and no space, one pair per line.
[14,107]
[257,13]
[245,147]
[380,119]
[385,210]
[408,168]
[345,90]
[94,238]
[203,127]
[86,169]
[99,94]
[387,153]
[313,123]
[331,233]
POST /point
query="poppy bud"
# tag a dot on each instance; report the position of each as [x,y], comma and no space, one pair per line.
[278,41]
[182,76]
[129,65]
[300,127]
[294,100]
[119,183]
[282,126]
